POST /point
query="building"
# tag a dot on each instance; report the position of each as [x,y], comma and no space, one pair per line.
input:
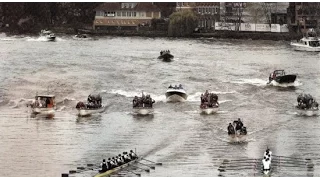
[208,12]
[254,12]
[124,16]
[303,15]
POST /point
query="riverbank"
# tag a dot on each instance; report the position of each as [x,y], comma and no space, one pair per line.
[152,33]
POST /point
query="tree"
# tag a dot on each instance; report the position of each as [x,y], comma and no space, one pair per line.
[182,23]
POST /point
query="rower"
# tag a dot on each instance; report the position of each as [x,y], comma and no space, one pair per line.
[230,129]
[104,167]
[268,154]
[133,155]
[126,157]
[109,163]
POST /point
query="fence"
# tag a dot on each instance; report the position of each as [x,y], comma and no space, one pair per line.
[250,27]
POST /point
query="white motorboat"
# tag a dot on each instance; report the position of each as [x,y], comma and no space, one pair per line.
[90,111]
[209,103]
[143,110]
[143,105]
[44,105]
[308,43]
[176,94]
[308,112]
[93,106]
[48,35]
[208,111]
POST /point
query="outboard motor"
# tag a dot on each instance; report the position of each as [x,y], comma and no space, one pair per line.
[243,131]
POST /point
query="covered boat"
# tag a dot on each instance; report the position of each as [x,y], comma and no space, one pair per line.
[308,43]
[209,103]
[48,35]
[307,105]
[237,132]
[166,56]
[143,105]
[93,106]
[44,105]
[176,94]
[280,77]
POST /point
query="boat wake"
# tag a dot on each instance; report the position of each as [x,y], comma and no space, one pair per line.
[255,82]
[162,98]
[294,84]
[42,39]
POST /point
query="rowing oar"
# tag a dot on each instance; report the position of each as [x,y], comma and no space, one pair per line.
[151,167]
[137,174]
[160,164]
[147,170]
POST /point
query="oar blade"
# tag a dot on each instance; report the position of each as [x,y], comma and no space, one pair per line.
[72,171]
[159,164]
[152,167]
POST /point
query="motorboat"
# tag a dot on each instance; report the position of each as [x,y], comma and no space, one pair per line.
[44,105]
[237,132]
[209,103]
[93,106]
[307,105]
[176,94]
[143,105]
[48,35]
[308,43]
[279,76]
[166,56]
[81,37]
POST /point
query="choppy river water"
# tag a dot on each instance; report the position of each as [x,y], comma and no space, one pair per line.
[187,143]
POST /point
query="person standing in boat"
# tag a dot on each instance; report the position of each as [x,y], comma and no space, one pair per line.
[104,167]
[230,129]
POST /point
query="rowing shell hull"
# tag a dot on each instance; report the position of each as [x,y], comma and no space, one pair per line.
[209,110]
[308,112]
[114,170]
[88,112]
[143,111]
[44,111]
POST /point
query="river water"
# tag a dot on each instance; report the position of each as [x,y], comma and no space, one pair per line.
[187,143]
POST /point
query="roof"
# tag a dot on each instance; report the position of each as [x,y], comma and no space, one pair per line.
[121,22]
[141,6]
[45,96]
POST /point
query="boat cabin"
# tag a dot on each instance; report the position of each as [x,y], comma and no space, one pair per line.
[279,73]
[310,41]
[46,101]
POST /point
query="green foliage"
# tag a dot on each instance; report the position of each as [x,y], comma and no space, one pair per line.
[182,23]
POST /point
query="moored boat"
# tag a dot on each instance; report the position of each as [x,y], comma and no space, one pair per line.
[44,105]
[307,105]
[176,94]
[308,43]
[81,37]
[166,56]
[48,35]
[93,106]
[143,105]
[279,76]
[209,103]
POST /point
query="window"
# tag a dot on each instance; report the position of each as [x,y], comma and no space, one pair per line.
[129,14]
[199,10]
[124,14]
[118,13]
[134,14]
[130,5]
